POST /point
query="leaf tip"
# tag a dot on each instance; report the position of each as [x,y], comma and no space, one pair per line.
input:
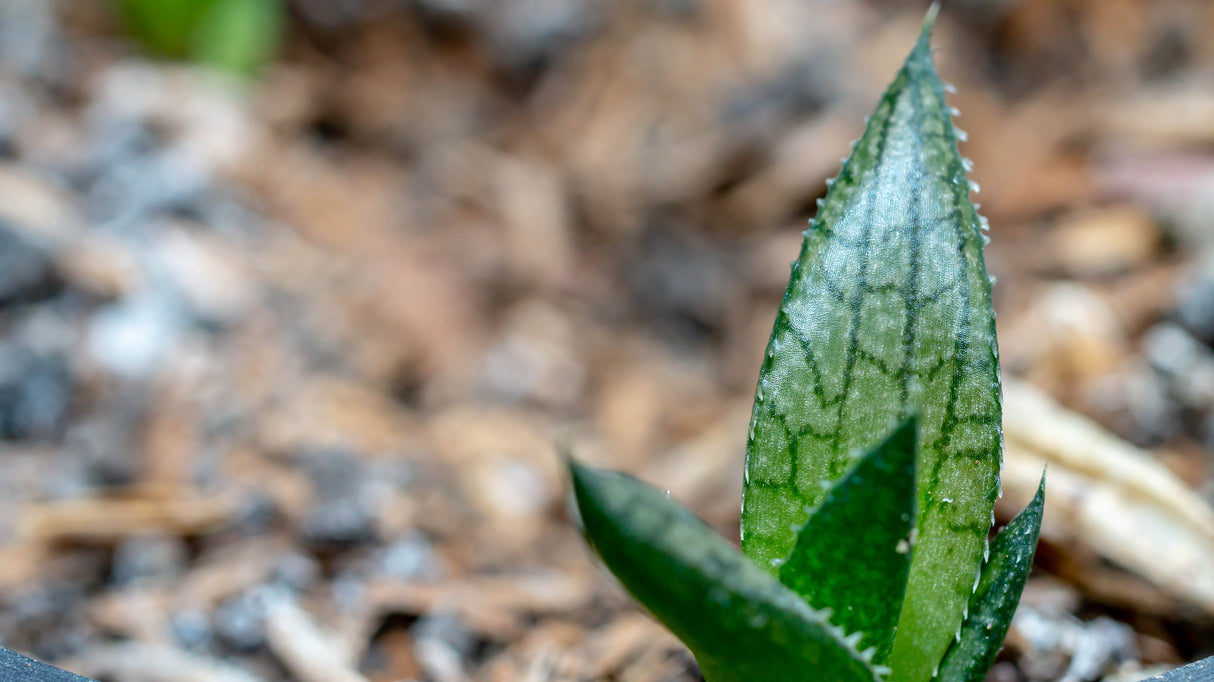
[583,477]
[1038,501]
[929,23]
[909,422]
[1028,521]
[588,484]
[576,469]
[904,434]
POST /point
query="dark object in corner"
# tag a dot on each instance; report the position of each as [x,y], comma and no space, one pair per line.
[17,668]
[1201,671]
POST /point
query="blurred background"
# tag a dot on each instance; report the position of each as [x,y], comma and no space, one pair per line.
[297,298]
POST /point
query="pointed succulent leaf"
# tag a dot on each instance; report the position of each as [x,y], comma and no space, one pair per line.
[994,601]
[854,553]
[741,623]
[888,309]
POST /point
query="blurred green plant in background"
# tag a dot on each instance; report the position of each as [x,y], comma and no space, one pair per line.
[236,36]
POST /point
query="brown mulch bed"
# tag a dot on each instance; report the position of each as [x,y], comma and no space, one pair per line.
[284,365]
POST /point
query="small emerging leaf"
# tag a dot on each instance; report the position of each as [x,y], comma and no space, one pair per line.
[233,35]
[238,36]
[854,553]
[741,623]
[888,310]
[994,601]
[163,26]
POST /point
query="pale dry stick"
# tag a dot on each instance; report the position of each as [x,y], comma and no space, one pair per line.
[1038,423]
[310,655]
[1112,496]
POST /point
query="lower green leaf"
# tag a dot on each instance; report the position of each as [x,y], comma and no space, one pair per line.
[739,621]
[854,553]
[994,601]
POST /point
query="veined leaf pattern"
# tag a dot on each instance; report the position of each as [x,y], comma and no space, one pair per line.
[888,310]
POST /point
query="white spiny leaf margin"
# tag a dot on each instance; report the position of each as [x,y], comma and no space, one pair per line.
[984,226]
[849,642]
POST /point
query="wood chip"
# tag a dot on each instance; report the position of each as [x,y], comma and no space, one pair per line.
[108,519]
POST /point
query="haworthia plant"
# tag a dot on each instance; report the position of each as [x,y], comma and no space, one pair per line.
[873,459]
[888,309]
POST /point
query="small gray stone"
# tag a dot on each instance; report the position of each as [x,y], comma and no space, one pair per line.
[297,571]
[1102,643]
[343,513]
[27,272]
[409,558]
[255,513]
[192,629]
[345,521]
[1195,309]
[143,558]
[239,621]
[1170,349]
[1185,362]
[35,394]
